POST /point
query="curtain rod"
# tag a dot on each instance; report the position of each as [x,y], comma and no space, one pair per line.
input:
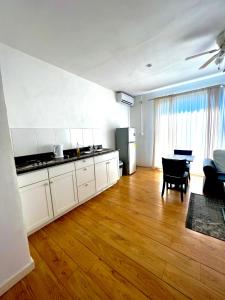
[180,93]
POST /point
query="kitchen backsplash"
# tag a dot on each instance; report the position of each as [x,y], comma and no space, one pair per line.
[27,141]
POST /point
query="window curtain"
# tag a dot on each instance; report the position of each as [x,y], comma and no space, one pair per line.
[193,121]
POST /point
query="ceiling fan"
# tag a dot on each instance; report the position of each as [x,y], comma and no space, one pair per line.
[218,57]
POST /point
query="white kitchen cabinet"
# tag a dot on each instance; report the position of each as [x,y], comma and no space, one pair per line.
[86,190]
[85,175]
[85,162]
[61,169]
[64,193]
[49,193]
[113,171]
[101,176]
[106,157]
[106,172]
[36,205]
[32,177]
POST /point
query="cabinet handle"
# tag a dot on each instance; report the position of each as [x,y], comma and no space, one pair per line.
[84,160]
[51,182]
[84,169]
[86,184]
[45,184]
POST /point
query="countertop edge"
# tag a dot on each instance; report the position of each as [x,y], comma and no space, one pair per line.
[63,161]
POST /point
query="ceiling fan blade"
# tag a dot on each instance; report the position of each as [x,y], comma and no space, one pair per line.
[203,53]
[208,61]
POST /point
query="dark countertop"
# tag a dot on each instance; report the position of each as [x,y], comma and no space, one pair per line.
[59,161]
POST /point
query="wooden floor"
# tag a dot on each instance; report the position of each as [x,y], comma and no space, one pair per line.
[126,243]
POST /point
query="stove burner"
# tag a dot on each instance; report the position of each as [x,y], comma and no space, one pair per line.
[32,163]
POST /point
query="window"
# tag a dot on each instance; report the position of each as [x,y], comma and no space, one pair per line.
[194,121]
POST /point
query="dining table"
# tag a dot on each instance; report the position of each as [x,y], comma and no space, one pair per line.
[188,158]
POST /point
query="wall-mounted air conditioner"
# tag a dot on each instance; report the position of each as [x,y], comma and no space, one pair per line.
[124,98]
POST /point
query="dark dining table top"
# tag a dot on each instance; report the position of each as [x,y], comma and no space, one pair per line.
[189,158]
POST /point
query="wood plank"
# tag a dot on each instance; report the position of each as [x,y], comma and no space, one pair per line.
[42,282]
[188,285]
[114,285]
[200,251]
[146,259]
[134,221]
[78,284]
[137,275]
[213,279]
[142,223]
[156,212]
[206,246]
[99,272]
[65,235]
[19,291]
[128,243]
[147,246]
[137,191]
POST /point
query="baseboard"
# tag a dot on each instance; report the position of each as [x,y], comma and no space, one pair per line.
[16,277]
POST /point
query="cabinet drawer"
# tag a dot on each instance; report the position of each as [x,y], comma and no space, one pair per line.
[32,177]
[61,169]
[85,175]
[86,190]
[105,157]
[84,163]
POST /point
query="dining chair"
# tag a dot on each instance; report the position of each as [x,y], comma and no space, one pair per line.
[174,172]
[184,152]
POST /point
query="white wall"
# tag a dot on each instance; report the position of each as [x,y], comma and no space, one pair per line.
[144,132]
[145,143]
[40,95]
[27,141]
[15,259]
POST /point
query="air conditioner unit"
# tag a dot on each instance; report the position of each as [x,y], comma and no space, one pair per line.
[124,98]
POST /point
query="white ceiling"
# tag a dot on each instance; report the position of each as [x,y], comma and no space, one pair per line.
[110,41]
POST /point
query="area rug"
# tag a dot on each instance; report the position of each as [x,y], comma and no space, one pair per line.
[205,216]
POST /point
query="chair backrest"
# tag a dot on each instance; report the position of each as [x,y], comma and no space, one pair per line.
[182,152]
[173,167]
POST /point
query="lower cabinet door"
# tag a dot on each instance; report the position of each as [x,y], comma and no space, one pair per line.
[86,190]
[101,176]
[113,170]
[64,192]
[36,205]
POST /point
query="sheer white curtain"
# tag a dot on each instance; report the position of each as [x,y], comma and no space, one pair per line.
[221,120]
[194,120]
